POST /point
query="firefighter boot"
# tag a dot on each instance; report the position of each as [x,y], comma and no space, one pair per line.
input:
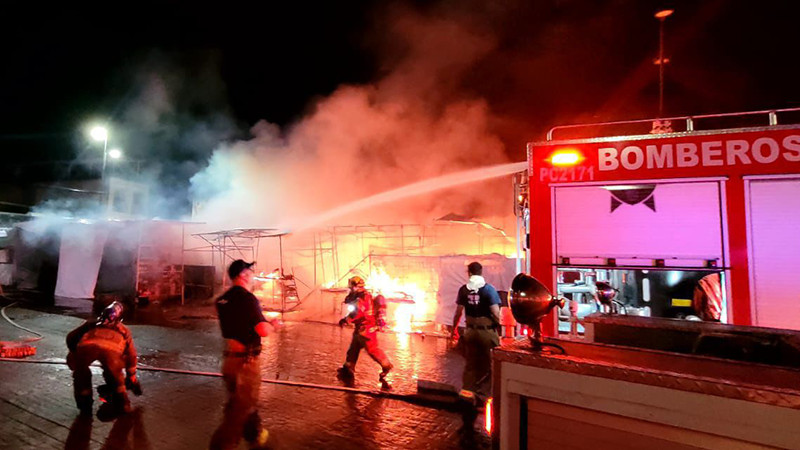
[346,374]
[261,440]
[120,403]
[254,433]
[467,405]
[382,377]
[84,403]
[105,392]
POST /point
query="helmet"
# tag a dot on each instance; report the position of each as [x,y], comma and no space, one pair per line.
[356,281]
[111,315]
[605,292]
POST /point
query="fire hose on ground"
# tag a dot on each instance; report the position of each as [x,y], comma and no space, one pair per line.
[410,398]
[422,400]
[18,348]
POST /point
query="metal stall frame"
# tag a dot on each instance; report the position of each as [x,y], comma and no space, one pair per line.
[240,243]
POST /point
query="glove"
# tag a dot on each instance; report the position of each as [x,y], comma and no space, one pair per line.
[381,324]
[452,342]
[132,384]
[342,322]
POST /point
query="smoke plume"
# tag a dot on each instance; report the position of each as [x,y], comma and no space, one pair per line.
[411,125]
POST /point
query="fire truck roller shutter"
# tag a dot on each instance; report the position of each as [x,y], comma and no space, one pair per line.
[680,222]
[775,251]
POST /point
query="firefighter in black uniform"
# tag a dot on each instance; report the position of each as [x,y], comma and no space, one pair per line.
[243,325]
[481,303]
[110,342]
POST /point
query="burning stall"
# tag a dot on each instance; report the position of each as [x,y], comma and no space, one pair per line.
[417,267]
[276,288]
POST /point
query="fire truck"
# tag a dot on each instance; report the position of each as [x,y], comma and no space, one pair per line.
[655,209]
[655,213]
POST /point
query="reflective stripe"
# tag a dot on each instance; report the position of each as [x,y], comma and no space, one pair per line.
[466,394]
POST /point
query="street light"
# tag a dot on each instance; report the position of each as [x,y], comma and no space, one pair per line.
[661,16]
[115,153]
[101,134]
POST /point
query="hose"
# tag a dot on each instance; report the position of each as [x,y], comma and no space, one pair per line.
[410,398]
[39,335]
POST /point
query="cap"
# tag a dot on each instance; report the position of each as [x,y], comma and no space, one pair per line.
[237,267]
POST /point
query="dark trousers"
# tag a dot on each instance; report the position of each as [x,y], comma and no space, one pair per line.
[242,375]
[478,345]
[113,371]
[369,341]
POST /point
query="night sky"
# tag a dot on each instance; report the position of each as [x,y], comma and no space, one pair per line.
[227,65]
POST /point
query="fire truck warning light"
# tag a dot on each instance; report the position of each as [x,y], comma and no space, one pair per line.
[566,157]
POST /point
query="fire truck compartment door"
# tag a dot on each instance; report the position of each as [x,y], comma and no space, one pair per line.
[775,251]
[680,223]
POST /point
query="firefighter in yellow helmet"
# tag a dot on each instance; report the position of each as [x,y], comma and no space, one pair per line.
[367,314]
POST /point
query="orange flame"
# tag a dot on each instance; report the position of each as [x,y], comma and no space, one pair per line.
[267,286]
[488,425]
[410,301]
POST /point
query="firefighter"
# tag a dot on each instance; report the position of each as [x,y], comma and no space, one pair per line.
[243,325]
[481,304]
[110,342]
[707,299]
[367,314]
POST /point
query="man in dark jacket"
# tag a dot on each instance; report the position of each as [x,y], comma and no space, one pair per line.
[110,342]
[243,325]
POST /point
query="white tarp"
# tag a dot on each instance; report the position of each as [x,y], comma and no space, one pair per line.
[6,271]
[79,260]
[497,270]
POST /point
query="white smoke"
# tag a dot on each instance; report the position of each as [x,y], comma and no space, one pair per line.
[361,140]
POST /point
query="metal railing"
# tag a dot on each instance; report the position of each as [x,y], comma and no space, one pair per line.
[690,121]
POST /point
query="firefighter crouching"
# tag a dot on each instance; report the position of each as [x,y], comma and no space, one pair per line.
[110,342]
[367,314]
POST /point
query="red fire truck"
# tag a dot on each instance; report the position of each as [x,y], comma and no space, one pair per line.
[654,210]
[654,213]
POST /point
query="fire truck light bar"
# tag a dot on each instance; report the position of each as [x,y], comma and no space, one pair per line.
[566,157]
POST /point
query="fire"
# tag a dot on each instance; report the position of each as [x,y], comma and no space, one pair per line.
[274,275]
[488,425]
[410,301]
[267,286]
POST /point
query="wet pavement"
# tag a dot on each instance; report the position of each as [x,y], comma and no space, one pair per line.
[181,411]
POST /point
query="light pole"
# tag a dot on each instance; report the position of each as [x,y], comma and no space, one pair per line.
[661,16]
[101,134]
